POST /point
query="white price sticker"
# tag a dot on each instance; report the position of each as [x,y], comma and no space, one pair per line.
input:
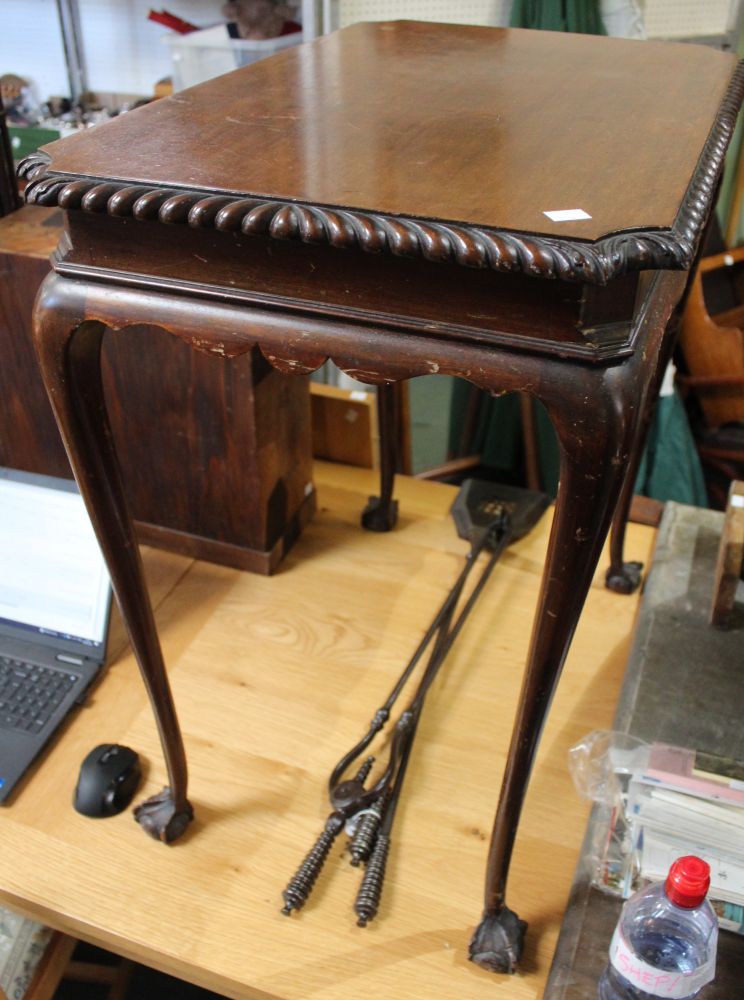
[567,215]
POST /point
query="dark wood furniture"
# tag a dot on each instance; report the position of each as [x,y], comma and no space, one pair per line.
[379,197]
[226,472]
[711,345]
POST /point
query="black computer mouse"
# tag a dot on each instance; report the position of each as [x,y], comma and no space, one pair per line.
[108,779]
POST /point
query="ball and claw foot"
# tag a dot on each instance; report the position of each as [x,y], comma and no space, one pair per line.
[498,941]
[159,817]
[626,579]
[379,516]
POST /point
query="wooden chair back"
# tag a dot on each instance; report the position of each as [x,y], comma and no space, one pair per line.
[713,348]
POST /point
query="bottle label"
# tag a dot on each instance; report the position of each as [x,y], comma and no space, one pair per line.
[657,982]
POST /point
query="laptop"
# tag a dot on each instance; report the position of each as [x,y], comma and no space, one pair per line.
[55,600]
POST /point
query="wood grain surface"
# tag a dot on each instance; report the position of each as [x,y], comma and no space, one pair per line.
[274,679]
[430,121]
[31,230]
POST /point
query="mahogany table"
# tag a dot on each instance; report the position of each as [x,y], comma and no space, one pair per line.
[517,208]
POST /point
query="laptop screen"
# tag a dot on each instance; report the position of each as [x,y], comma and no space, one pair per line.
[54,581]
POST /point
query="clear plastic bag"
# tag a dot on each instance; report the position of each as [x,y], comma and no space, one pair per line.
[600,760]
[601,766]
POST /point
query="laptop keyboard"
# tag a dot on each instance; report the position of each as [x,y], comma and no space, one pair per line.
[29,694]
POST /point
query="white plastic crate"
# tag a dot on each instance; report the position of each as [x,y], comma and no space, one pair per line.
[202,55]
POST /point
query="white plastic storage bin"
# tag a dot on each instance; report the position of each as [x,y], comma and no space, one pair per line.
[204,54]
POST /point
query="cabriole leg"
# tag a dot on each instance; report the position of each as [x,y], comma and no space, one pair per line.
[381,513]
[625,577]
[69,350]
[594,454]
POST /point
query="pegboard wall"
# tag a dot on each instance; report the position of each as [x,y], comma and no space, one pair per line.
[663,18]
[688,18]
[451,11]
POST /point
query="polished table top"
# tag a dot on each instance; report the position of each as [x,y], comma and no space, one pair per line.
[491,127]
[274,678]
[442,142]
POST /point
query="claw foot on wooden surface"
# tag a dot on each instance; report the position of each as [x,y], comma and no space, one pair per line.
[626,579]
[498,941]
[159,817]
[380,516]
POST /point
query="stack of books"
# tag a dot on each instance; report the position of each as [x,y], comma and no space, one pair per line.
[687,802]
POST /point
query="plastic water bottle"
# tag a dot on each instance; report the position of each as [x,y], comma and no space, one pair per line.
[665,941]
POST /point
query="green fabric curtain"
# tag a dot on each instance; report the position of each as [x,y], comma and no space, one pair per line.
[670,468]
[581,16]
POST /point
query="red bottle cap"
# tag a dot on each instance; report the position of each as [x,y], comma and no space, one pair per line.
[688,881]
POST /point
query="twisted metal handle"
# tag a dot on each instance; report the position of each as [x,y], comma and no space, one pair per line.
[301,884]
[368,898]
[363,772]
[365,834]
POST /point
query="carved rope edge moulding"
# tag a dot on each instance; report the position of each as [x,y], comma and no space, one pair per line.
[539,256]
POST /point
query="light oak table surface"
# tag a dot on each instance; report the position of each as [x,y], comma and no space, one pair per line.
[274,679]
